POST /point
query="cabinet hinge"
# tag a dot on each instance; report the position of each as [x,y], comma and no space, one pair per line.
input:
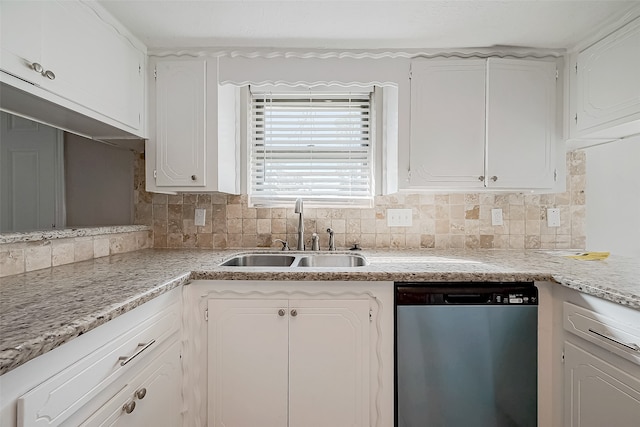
[155,173]
[206,315]
[557,74]
[370,315]
[555,175]
[576,68]
[155,73]
[410,74]
[576,118]
[139,69]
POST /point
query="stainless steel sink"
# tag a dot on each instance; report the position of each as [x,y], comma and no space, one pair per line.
[296,260]
[332,260]
[259,260]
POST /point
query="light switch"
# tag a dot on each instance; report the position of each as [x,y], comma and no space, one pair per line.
[399,217]
[553,217]
[496,216]
[200,216]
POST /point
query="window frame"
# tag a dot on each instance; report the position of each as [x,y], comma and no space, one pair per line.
[375,137]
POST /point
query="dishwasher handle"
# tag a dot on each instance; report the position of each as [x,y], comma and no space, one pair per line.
[467,298]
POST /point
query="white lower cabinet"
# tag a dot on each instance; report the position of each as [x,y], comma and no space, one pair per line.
[150,399]
[598,393]
[89,380]
[601,363]
[297,354]
[288,362]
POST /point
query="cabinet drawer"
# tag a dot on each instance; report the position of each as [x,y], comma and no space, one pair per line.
[53,401]
[152,397]
[620,335]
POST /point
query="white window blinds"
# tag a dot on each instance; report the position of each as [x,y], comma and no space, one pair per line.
[311,145]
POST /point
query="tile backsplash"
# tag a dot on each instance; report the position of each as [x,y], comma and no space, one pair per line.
[20,257]
[439,220]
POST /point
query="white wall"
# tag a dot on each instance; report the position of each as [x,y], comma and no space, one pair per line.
[613,197]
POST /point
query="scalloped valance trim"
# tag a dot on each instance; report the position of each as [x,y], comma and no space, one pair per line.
[343,84]
[494,51]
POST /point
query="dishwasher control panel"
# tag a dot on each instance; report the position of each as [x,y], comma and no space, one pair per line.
[466,293]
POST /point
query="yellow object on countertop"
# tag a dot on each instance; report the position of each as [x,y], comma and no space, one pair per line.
[590,256]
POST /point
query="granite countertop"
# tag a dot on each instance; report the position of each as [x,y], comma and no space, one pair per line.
[42,310]
[62,233]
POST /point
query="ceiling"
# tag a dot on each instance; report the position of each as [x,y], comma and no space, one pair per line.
[363,24]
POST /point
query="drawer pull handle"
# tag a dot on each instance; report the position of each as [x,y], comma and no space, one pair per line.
[129,407]
[630,346]
[140,394]
[143,347]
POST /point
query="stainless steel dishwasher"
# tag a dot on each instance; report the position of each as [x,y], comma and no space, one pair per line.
[466,355]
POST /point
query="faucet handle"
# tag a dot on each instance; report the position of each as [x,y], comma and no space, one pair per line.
[315,242]
[285,245]
[332,242]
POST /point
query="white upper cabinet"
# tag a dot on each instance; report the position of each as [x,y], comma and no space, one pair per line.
[605,101]
[479,123]
[194,129]
[77,56]
[180,123]
[521,124]
[447,123]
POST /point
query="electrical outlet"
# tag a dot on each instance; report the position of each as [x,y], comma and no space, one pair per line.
[199,218]
[399,217]
[553,217]
[496,217]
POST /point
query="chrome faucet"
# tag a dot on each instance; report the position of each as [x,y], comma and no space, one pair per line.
[300,210]
[332,241]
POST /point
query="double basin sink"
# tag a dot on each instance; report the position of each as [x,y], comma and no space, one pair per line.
[296,260]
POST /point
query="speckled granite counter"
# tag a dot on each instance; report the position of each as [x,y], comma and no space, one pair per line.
[33,236]
[43,309]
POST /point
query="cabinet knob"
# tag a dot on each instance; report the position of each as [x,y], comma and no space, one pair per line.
[49,74]
[281,312]
[140,394]
[193,177]
[294,312]
[481,178]
[129,407]
[36,67]
[494,178]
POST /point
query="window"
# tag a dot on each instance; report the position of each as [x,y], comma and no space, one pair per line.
[314,145]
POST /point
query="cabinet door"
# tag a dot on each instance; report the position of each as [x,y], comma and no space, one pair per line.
[94,65]
[520,123]
[248,362]
[597,393]
[328,363]
[447,123]
[608,87]
[180,123]
[20,44]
